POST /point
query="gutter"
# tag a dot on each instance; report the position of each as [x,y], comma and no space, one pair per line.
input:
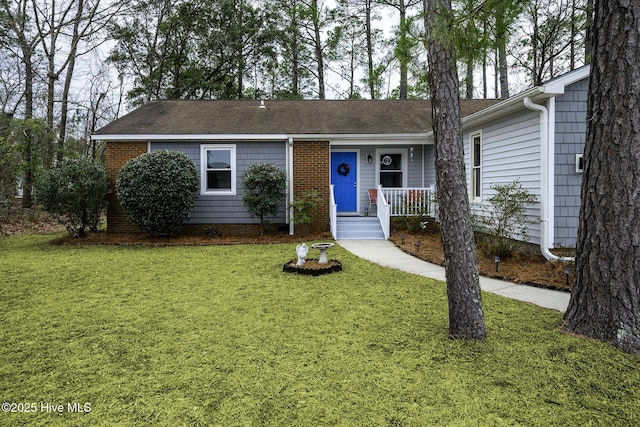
[547,153]
[338,137]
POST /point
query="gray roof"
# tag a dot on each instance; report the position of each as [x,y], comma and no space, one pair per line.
[290,117]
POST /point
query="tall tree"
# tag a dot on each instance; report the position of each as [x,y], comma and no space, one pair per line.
[548,38]
[505,14]
[351,54]
[466,318]
[27,40]
[64,28]
[139,47]
[365,12]
[288,73]
[470,40]
[404,42]
[370,37]
[321,33]
[605,302]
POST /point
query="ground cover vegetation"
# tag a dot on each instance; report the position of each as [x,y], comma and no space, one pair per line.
[219,335]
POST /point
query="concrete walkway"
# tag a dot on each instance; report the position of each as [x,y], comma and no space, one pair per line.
[385,253]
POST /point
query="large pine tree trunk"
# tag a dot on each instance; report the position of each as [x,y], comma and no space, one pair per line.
[605,302]
[466,319]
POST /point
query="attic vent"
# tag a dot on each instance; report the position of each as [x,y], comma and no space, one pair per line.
[262,104]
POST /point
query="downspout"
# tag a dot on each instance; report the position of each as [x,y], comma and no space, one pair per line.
[422,147]
[546,179]
[290,184]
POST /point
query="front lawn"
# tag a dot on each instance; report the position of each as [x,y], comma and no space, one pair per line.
[220,336]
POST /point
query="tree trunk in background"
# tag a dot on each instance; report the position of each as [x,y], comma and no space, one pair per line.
[317,52]
[402,52]
[371,80]
[501,42]
[466,319]
[588,33]
[605,301]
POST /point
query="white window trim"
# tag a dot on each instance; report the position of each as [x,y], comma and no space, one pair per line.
[405,163]
[203,169]
[472,167]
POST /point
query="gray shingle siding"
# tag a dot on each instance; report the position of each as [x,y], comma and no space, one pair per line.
[229,209]
[570,134]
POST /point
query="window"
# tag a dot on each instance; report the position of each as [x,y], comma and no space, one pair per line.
[391,170]
[218,170]
[476,167]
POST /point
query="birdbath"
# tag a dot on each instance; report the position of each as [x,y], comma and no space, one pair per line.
[323,251]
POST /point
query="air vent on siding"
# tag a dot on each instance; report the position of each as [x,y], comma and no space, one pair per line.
[579,163]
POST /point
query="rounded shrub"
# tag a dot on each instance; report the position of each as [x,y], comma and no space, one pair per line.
[264,188]
[158,190]
[74,191]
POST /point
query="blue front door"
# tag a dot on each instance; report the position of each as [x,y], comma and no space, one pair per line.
[344,179]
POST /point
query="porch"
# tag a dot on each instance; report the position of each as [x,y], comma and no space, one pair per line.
[388,202]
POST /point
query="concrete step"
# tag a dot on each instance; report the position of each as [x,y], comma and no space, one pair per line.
[359,228]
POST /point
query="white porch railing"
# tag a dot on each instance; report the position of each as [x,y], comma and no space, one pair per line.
[410,201]
[383,209]
[403,202]
[333,215]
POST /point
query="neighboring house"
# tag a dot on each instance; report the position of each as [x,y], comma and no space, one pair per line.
[344,149]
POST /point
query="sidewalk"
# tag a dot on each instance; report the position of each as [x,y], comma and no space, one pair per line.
[387,254]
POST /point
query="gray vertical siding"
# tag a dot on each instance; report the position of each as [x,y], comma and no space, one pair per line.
[229,209]
[570,135]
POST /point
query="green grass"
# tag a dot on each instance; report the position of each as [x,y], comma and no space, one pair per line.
[219,336]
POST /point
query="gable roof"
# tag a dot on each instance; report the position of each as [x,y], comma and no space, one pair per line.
[280,117]
[541,94]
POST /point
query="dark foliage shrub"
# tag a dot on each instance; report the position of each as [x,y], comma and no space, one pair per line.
[74,191]
[264,188]
[158,190]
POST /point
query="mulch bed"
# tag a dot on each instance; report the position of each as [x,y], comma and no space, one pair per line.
[144,239]
[312,267]
[523,268]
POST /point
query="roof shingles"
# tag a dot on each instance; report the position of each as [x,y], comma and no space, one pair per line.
[290,117]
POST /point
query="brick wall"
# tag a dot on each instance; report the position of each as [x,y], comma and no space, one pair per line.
[311,171]
[117,154]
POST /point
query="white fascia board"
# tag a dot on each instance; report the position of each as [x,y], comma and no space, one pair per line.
[335,139]
[557,86]
[189,137]
[399,139]
[538,94]
[503,108]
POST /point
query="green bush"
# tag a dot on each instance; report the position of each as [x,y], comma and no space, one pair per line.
[158,190]
[302,210]
[9,170]
[264,188]
[505,221]
[74,191]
